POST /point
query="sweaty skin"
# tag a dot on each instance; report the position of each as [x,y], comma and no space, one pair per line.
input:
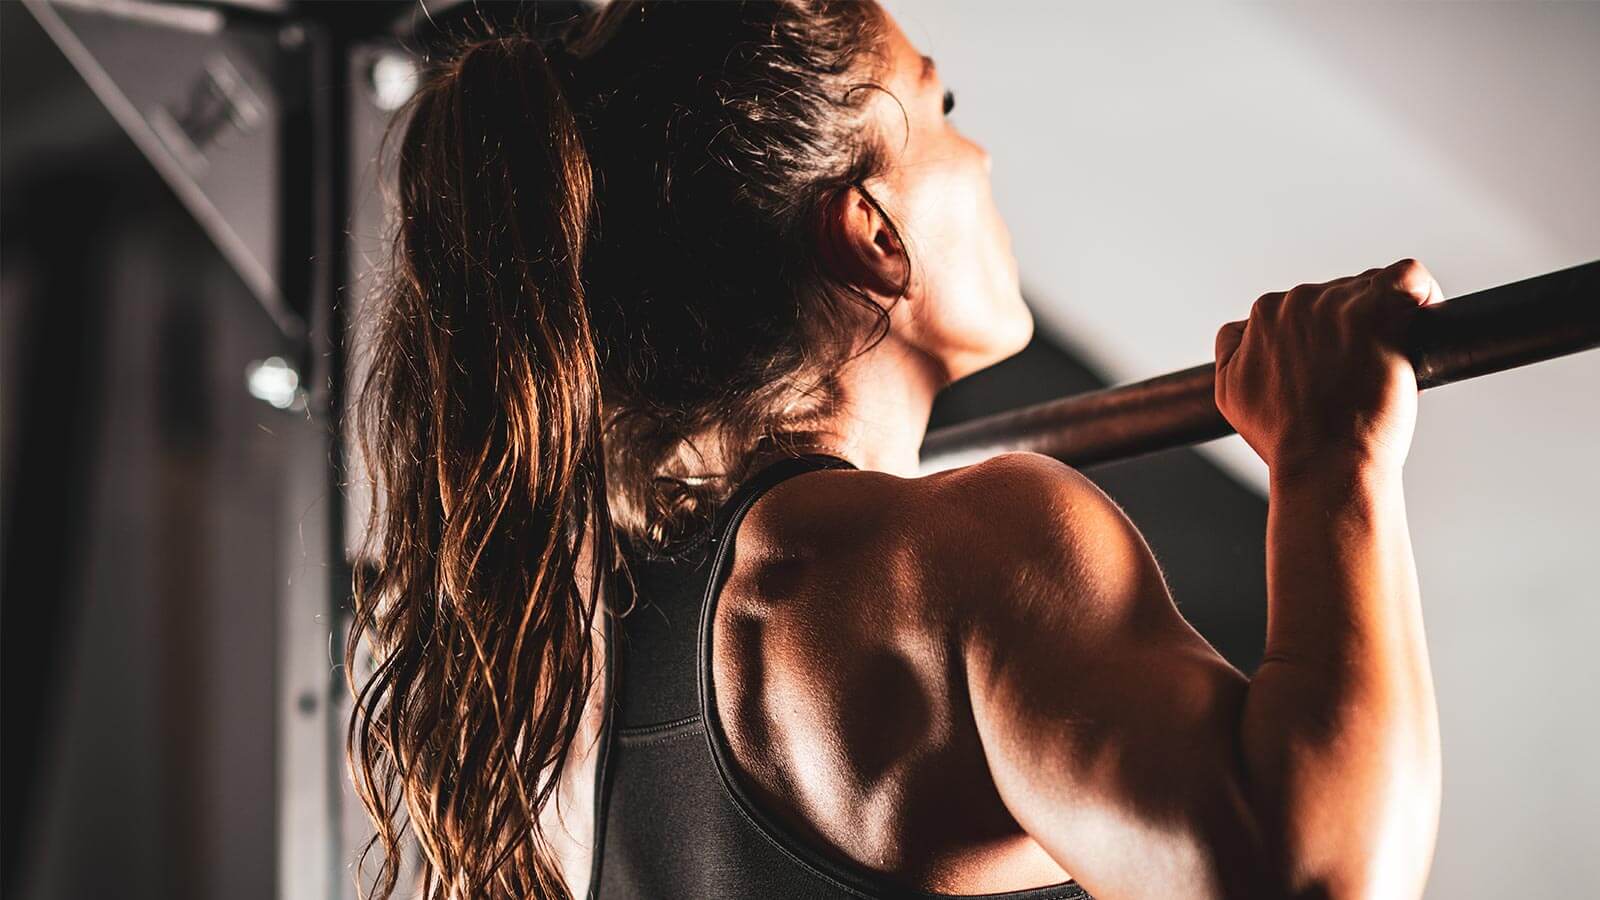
[977,680]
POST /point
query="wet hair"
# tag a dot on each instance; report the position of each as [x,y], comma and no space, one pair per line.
[606,294]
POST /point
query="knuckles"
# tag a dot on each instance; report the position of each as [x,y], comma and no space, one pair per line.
[1353,305]
[1267,305]
[1302,294]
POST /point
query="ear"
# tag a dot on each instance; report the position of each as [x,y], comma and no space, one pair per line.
[857,245]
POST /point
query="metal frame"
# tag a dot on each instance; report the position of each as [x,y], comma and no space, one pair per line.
[213,95]
[225,63]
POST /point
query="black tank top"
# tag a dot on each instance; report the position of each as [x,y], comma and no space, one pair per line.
[671,819]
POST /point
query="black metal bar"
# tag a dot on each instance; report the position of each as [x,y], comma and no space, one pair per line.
[329,119]
[1490,331]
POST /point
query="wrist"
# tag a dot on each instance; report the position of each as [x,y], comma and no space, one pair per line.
[1338,470]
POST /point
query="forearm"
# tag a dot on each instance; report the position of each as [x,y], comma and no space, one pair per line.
[1340,730]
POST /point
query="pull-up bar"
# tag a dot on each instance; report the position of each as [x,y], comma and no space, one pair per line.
[1492,330]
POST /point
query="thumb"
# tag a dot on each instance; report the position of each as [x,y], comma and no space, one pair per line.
[1412,280]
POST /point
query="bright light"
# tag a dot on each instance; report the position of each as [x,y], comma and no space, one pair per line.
[394,80]
[273,380]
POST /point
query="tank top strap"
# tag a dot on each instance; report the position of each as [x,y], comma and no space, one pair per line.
[732,511]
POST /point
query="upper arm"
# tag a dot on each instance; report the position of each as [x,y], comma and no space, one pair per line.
[1109,724]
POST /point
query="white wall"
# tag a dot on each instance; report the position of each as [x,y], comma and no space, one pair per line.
[1161,166]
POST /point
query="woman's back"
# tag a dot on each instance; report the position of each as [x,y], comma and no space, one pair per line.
[840,685]
[816,741]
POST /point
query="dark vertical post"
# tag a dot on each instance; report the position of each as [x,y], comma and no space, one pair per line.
[329,172]
[59,423]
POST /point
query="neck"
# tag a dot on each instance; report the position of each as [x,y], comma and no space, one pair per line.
[885,397]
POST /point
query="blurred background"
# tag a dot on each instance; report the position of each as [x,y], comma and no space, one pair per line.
[189,204]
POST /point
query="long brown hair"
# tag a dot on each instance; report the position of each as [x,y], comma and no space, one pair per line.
[604,259]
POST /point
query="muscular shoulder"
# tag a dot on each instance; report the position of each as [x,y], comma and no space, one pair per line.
[990,512]
[1025,529]
[1022,495]
[1008,530]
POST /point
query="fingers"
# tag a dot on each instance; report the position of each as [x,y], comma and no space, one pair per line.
[1268,306]
[1365,301]
[1228,338]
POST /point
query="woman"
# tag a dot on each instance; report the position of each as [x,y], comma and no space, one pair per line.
[670,305]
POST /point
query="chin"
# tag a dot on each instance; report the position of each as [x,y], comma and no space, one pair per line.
[1006,337]
[1025,328]
[1014,330]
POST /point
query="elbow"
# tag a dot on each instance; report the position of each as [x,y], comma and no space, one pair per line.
[1347,804]
[1349,843]
[1340,843]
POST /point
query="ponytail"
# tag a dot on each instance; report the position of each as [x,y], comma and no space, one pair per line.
[480,422]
